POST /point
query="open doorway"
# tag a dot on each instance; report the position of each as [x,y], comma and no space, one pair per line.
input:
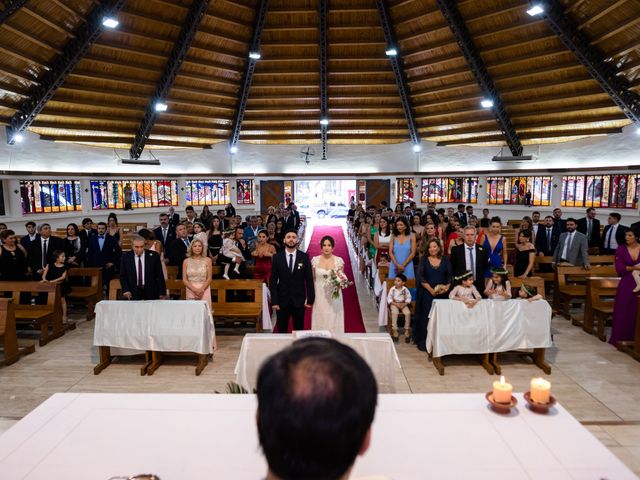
[324,201]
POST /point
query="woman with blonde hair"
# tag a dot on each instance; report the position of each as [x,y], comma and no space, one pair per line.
[196,273]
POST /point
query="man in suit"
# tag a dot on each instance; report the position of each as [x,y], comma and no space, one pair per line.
[535,220]
[174,218]
[87,232]
[470,215]
[224,221]
[141,273]
[289,220]
[462,216]
[250,234]
[40,253]
[613,234]
[590,227]
[470,257]
[104,252]
[547,238]
[31,236]
[572,247]
[635,226]
[165,234]
[296,214]
[177,251]
[291,284]
[558,223]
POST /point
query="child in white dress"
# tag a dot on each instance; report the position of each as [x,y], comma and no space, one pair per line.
[499,287]
[465,291]
[231,250]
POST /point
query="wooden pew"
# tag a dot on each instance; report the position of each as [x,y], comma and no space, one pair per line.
[172,272]
[516,284]
[410,283]
[598,305]
[175,287]
[545,273]
[571,285]
[46,315]
[227,310]
[632,348]
[91,294]
[9,336]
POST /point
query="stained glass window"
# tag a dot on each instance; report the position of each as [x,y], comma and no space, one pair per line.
[450,190]
[524,190]
[244,192]
[207,192]
[612,191]
[404,190]
[109,194]
[48,196]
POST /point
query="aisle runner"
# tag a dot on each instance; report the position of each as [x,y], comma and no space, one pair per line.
[353,322]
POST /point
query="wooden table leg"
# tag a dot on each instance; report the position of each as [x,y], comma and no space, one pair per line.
[493,360]
[437,362]
[156,359]
[538,359]
[203,359]
[105,359]
[486,364]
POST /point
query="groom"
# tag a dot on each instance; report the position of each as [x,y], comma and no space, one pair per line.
[291,284]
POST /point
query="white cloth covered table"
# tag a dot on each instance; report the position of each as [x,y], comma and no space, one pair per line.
[266,310]
[204,436]
[491,326]
[158,325]
[376,348]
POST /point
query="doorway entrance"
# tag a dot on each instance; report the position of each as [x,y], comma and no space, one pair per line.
[324,201]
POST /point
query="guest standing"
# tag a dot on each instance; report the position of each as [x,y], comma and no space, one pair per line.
[214,241]
[525,255]
[40,254]
[547,238]
[31,235]
[13,258]
[470,257]
[433,281]
[590,226]
[74,246]
[205,217]
[402,249]
[572,247]
[103,252]
[113,230]
[177,251]
[381,240]
[613,234]
[165,233]
[625,305]
[496,246]
[141,275]
[263,254]
[197,269]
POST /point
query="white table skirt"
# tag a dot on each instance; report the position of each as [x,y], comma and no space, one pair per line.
[383,311]
[159,325]
[376,348]
[266,310]
[196,437]
[490,326]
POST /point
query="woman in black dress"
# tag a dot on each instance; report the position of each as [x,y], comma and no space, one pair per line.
[13,258]
[280,231]
[433,280]
[75,248]
[214,240]
[525,255]
[56,272]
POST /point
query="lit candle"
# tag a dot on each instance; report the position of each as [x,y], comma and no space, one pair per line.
[502,391]
[540,390]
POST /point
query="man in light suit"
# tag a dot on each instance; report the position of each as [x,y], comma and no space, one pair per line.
[590,226]
[572,247]
[141,273]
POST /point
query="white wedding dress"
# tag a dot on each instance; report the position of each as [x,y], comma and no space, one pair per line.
[328,312]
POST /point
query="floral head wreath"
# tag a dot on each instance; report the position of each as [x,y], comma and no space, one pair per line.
[529,290]
[464,276]
[499,271]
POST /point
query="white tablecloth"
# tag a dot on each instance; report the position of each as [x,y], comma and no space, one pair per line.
[201,437]
[159,325]
[376,348]
[383,311]
[266,310]
[490,326]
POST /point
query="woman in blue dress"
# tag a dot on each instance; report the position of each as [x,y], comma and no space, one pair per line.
[433,281]
[496,245]
[402,249]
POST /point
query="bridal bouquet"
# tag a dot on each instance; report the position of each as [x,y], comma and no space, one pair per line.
[336,281]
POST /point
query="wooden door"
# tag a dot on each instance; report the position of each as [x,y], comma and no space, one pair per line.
[377,191]
[271,194]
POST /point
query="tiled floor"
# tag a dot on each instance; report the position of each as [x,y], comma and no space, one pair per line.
[597,384]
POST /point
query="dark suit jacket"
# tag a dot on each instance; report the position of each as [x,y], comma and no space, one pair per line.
[174,220]
[635,226]
[176,253]
[620,233]
[542,243]
[26,241]
[35,253]
[560,225]
[289,223]
[462,217]
[110,252]
[459,263]
[84,235]
[296,215]
[171,236]
[154,285]
[291,288]
[595,240]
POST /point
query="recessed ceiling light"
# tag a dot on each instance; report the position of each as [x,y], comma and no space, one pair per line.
[161,107]
[254,55]
[638,131]
[417,148]
[391,52]
[486,103]
[110,22]
[324,121]
[233,149]
[18,137]
[535,9]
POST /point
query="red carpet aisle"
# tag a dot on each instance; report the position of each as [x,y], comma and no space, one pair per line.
[353,322]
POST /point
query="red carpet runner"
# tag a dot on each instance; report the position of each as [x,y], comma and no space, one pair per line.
[353,322]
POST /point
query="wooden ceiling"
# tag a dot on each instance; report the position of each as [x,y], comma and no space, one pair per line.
[547,93]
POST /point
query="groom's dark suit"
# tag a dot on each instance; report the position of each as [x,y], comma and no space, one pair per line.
[291,288]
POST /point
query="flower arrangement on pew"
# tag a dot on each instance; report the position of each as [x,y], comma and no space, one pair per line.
[336,281]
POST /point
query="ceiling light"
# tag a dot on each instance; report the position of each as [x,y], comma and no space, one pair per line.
[254,55]
[391,52]
[638,131]
[536,9]
[417,148]
[18,137]
[110,22]
[161,107]
[233,149]
[486,103]
[324,121]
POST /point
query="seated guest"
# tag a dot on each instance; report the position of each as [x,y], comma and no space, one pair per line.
[613,234]
[470,257]
[13,258]
[56,272]
[590,226]
[141,275]
[465,291]
[547,238]
[399,299]
[165,233]
[103,251]
[529,293]
[87,231]
[177,251]
[572,247]
[31,235]
[40,254]
[316,403]
[525,254]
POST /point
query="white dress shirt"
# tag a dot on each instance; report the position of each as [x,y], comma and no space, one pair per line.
[293,261]
[611,241]
[567,244]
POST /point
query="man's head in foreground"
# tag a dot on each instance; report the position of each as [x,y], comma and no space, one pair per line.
[316,402]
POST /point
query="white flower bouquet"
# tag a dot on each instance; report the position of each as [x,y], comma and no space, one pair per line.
[336,281]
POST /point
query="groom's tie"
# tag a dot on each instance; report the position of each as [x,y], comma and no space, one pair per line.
[291,262]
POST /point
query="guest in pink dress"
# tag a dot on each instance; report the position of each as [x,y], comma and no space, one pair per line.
[625,305]
[196,273]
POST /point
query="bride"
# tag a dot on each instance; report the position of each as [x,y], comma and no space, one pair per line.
[328,312]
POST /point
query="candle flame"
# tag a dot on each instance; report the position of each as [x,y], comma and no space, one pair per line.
[502,380]
[539,382]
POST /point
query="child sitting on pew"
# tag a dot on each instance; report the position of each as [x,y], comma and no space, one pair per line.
[56,272]
[399,299]
[498,287]
[465,291]
[529,293]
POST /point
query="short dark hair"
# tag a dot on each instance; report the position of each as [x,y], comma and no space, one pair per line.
[534,212]
[495,220]
[163,215]
[571,219]
[30,222]
[591,209]
[460,205]
[330,239]
[402,277]
[549,216]
[101,223]
[6,234]
[407,230]
[316,402]
[56,254]
[291,230]
[615,215]
[189,209]
[86,220]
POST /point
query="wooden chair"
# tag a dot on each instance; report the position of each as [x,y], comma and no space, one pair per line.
[598,306]
[383,271]
[571,285]
[410,283]
[227,309]
[547,272]
[91,294]
[8,334]
[47,315]
[172,272]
